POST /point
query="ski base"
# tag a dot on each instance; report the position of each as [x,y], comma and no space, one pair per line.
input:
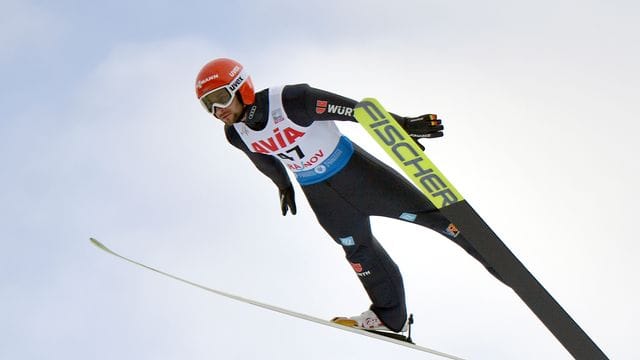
[403,341]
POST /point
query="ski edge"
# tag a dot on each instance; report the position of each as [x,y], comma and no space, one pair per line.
[277,309]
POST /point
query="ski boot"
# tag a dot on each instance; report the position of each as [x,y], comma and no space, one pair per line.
[369,321]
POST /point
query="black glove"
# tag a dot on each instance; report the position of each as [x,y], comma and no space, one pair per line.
[424,126]
[287,200]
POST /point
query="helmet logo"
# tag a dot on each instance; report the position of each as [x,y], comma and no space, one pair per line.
[206,80]
[234,71]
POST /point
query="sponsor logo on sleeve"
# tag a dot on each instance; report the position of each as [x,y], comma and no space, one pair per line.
[321,106]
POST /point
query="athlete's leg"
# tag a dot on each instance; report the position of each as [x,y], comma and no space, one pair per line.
[378,190]
[349,227]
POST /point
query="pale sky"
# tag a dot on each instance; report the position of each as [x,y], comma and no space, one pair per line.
[101,135]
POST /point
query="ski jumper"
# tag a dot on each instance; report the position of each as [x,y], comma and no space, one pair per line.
[293,128]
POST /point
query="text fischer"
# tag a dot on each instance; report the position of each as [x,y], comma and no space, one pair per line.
[410,157]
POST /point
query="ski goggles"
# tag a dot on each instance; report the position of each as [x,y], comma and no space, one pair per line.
[222,96]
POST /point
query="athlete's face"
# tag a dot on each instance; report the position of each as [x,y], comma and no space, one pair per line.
[230,114]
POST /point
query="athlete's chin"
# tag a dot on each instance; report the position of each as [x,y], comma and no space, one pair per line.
[230,120]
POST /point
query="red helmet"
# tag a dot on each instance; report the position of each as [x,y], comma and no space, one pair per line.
[218,82]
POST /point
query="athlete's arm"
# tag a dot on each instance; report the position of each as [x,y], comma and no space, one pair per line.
[305,104]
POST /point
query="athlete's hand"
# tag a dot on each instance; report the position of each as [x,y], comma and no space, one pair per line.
[287,200]
[424,126]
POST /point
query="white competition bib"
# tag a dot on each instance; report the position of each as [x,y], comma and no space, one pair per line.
[313,153]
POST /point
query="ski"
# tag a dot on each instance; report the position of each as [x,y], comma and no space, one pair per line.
[388,337]
[440,192]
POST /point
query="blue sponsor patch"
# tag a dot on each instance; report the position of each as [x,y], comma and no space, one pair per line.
[330,166]
[408,217]
[347,241]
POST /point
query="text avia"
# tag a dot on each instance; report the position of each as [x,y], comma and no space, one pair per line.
[280,140]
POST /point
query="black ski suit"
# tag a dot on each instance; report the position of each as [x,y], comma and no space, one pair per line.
[344,203]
